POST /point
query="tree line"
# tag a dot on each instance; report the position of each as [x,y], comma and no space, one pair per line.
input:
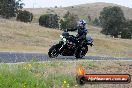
[111,19]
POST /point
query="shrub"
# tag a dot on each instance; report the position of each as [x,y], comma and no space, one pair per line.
[89,18]
[25,16]
[96,22]
[49,20]
[69,21]
[126,34]
[127,30]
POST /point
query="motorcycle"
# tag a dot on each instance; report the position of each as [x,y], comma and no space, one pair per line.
[68,46]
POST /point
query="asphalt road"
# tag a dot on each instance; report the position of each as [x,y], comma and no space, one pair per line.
[13,57]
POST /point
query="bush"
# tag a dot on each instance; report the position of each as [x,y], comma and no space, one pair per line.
[25,16]
[89,18]
[49,20]
[128,25]
[96,22]
[69,21]
[127,30]
[126,34]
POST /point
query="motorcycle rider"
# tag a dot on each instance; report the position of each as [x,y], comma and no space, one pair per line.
[82,31]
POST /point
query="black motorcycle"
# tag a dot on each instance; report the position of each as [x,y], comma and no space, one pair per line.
[69,46]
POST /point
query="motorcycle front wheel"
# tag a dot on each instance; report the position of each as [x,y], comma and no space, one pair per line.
[53,51]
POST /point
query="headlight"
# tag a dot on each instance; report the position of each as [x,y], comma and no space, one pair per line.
[61,36]
[64,39]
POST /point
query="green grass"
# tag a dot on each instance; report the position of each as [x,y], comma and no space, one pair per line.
[33,75]
[57,74]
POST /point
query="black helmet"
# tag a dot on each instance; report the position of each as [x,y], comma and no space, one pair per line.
[82,23]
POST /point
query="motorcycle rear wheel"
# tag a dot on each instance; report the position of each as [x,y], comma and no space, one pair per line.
[81,52]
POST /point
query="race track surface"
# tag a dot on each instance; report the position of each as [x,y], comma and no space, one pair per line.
[14,57]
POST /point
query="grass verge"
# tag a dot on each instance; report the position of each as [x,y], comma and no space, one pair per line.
[58,74]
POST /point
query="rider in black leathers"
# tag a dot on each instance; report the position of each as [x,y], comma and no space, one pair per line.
[82,32]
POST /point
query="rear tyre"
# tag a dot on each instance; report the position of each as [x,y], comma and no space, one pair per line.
[53,51]
[81,52]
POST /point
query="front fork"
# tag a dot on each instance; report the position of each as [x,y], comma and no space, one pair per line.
[61,48]
[62,45]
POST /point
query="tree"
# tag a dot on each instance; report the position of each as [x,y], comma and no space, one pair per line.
[72,6]
[111,19]
[49,20]
[128,25]
[127,30]
[9,8]
[56,7]
[96,22]
[89,18]
[126,34]
[69,21]
[25,16]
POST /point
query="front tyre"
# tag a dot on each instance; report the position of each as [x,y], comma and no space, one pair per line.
[53,51]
